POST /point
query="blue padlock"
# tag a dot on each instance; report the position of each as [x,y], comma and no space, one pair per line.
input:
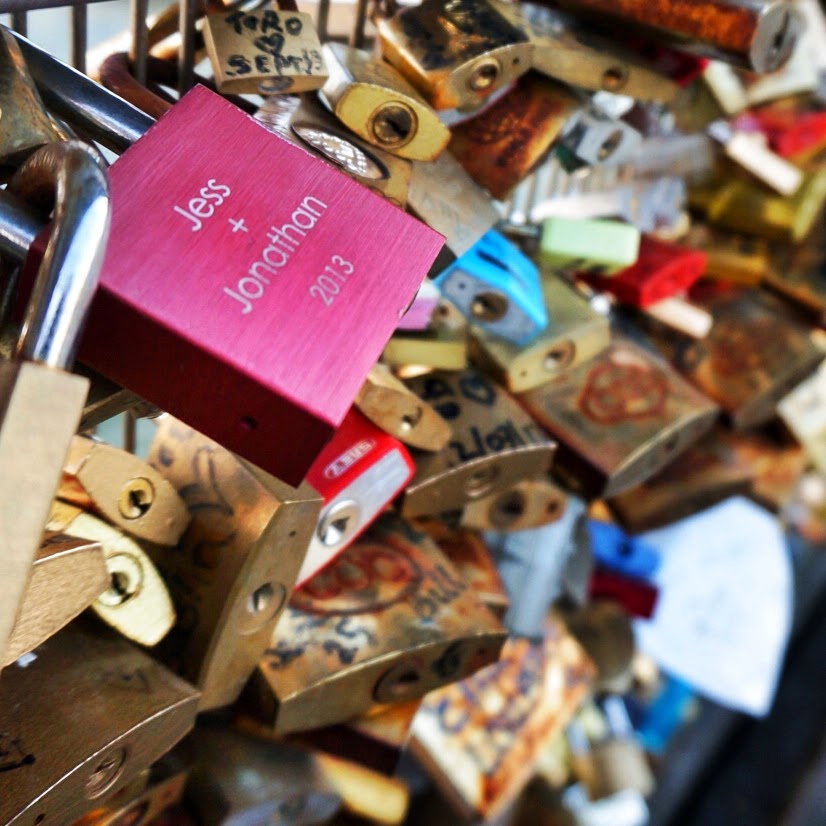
[496,287]
[619,552]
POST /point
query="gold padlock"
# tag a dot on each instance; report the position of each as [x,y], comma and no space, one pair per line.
[376,102]
[307,123]
[707,473]
[232,573]
[618,418]
[441,348]
[68,575]
[137,603]
[83,717]
[502,145]
[391,405]
[264,52]
[734,258]
[530,503]
[479,739]
[455,52]
[124,490]
[388,621]
[24,122]
[495,444]
[448,200]
[575,334]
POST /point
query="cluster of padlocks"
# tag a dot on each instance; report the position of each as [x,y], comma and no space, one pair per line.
[428,334]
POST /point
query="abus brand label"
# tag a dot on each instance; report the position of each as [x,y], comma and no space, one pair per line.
[349,458]
[248,286]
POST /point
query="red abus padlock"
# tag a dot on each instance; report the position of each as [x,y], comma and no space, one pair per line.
[248,287]
[357,474]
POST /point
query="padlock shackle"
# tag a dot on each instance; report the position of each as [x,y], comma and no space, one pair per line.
[95,112]
[72,177]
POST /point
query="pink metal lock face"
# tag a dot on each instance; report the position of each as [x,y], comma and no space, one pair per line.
[248,287]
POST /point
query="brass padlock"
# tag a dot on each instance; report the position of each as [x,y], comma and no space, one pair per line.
[42,403]
[566,50]
[24,123]
[388,621]
[470,556]
[84,716]
[530,503]
[479,739]
[575,334]
[756,352]
[376,102]
[441,348]
[124,490]
[236,564]
[68,575]
[137,603]
[307,123]
[455,52]
[618,419]
[264,51]
[707,473]
[448,200]
[495,444]
[241,779]
[502,145]
[734,258]
[391,405]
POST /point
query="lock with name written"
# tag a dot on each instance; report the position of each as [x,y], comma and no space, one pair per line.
[41,403]
[661,270]
[137,603]
[67,576]
[575,333]
[480,739]
[495,444]
[264,52]
[496,287]
[358,474]
[470,556]
[503,144]
[123,490]
[308,124]
[566,50]
[448,200]
[26,124]
[387,622]
[59,758]
[456,52]
[233,570]
[756,34]
[529,503]
[393,407]
[618,419]
[756,352]
[707,473]
[303,270]
[237,778]
[595,246]
[376,102]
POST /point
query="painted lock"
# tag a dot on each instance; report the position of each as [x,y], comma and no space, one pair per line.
[358,474]
[388,621]
[495,444]
[618,418]
[456,53]
[60,756]
[496,287]
[575,334]
[233,570]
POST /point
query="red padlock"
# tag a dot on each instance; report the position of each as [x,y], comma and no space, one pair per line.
[359,472]
[662,270]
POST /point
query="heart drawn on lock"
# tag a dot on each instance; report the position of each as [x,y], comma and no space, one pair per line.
[623,389]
